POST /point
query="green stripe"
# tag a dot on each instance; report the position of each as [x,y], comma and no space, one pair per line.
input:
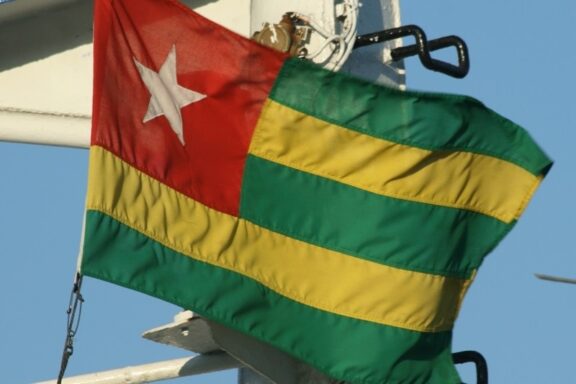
[425,120]
[404,234]
[348,349]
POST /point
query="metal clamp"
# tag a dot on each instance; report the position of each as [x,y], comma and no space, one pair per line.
[422,48]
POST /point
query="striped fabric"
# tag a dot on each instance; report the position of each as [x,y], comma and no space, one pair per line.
[337,220]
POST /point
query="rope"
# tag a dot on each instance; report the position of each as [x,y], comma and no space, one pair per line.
[74,313]
[341,43]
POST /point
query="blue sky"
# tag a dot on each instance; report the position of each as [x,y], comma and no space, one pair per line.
[522,60]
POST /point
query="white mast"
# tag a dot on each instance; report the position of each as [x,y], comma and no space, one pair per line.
[45,98]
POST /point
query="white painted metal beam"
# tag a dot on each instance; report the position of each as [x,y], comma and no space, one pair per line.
[47,128]
[163,370]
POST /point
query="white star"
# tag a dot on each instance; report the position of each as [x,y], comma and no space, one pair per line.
[167,97]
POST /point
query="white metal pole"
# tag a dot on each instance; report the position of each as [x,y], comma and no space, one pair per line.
[28,126]
[163,370]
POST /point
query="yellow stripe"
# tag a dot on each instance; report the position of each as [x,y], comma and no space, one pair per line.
[308,274]
[453,179]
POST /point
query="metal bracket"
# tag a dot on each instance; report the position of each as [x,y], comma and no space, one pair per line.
[422,48]
[261,363]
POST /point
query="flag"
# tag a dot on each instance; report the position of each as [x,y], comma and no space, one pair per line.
[337,220]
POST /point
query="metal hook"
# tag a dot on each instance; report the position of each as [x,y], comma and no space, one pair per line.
[422,48]
[477,359]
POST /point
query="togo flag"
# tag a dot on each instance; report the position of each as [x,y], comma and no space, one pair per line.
[337,220]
